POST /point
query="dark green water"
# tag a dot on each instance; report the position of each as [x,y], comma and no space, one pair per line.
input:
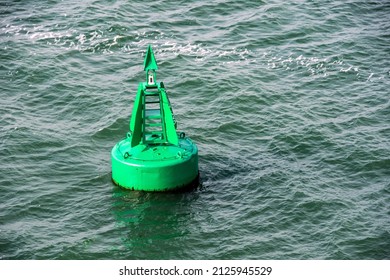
[289,104]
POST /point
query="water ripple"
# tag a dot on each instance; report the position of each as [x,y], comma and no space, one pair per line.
[288,105]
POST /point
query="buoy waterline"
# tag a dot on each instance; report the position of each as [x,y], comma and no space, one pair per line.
[154,156]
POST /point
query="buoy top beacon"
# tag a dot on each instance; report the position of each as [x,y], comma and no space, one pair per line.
[154,156]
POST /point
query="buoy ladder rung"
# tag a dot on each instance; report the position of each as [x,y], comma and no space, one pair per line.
[153,119]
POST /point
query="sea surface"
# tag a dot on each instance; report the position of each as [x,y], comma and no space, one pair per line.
[287,101]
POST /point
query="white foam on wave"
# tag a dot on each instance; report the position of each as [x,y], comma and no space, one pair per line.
[105,41]
[315,66]
[169,46]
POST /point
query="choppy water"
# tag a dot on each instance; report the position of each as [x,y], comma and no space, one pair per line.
[289,104]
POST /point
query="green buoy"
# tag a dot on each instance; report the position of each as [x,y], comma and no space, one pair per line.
[154,156]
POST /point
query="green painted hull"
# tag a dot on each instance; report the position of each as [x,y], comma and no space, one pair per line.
[154,156]
[154,167]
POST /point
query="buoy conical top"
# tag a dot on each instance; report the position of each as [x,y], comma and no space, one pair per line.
[150,62]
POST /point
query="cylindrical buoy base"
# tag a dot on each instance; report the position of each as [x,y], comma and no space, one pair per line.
[154,167]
